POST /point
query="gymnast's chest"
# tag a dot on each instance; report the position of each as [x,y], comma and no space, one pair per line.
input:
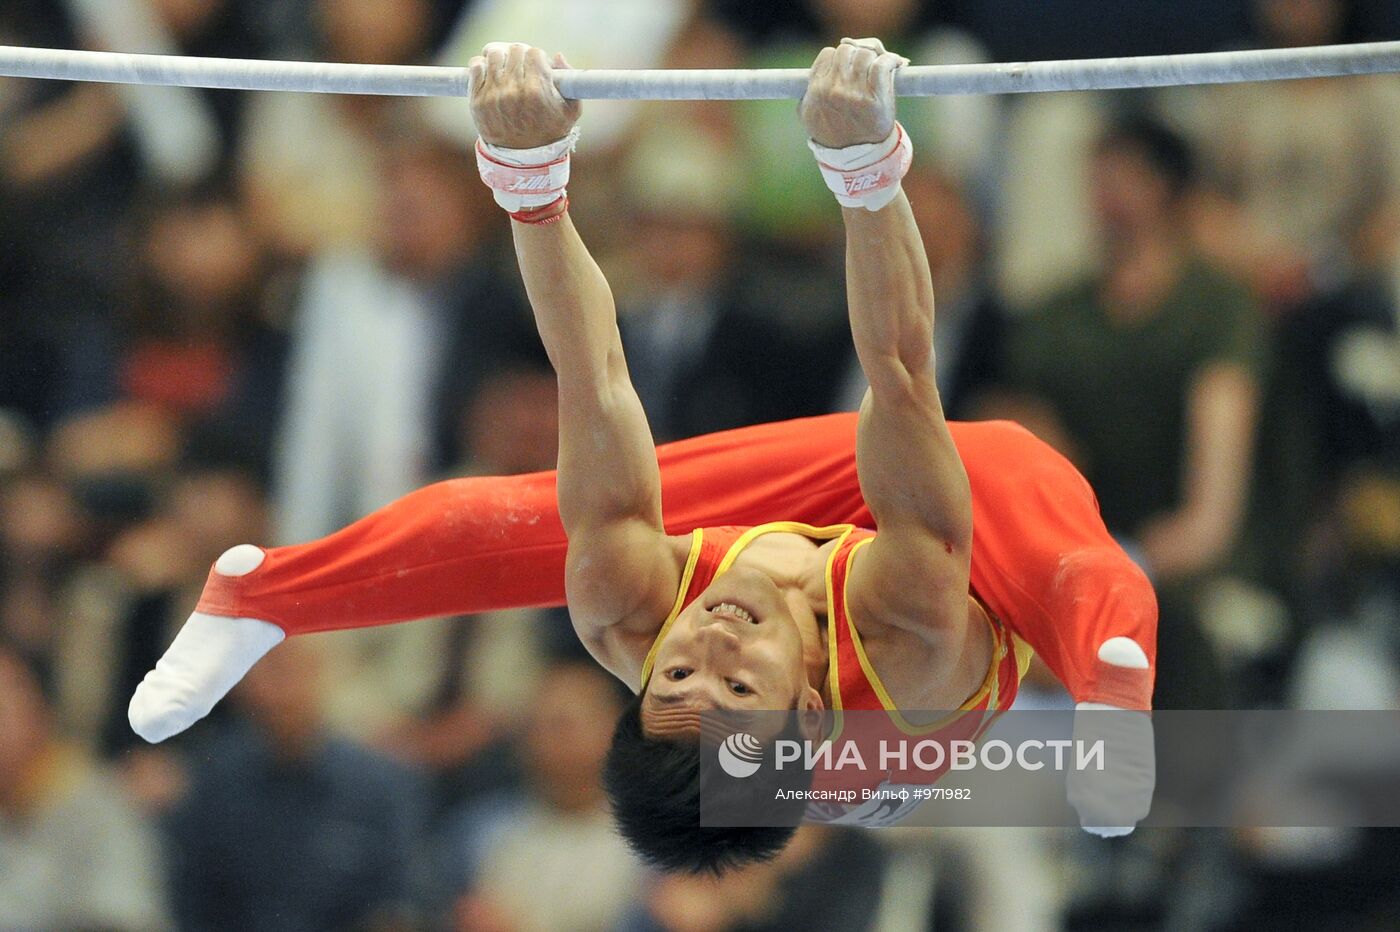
[796,564]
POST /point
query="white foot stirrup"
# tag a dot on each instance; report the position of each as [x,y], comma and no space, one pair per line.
[1111,802]
[207,659]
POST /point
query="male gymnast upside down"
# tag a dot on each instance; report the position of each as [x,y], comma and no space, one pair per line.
[728,596]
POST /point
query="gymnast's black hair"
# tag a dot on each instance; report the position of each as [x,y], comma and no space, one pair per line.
[1166,151]
[655,785]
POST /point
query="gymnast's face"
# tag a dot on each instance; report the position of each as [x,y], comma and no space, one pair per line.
[737,647]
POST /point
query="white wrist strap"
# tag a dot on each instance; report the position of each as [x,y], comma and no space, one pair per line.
[526,178]
[866,175]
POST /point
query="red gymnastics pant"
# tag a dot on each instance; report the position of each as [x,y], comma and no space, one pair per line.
[1041,556]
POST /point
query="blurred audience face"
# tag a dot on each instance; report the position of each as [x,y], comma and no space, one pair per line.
[282,696]
[115,459]
[678,252]
[432,204]
[374,32]
[706,43]
[24,721]
[186,18]
[1129,195]
[1301,22]
[948,226]
[512,426]
[888,19]
[568,733]
[41,533]
[39,522]
[16,444]
[122,437]
[203,258]
[214,507]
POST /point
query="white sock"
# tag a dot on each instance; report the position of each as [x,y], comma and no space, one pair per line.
[207,659]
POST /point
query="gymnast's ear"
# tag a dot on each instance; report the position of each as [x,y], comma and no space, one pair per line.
[810,712]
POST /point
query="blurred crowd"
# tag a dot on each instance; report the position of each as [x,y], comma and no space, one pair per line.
[232,317]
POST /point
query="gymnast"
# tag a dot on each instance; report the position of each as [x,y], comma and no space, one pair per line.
[740,570]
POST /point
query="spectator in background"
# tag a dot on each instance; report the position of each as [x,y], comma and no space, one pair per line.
[441,694]
[287,827]
[43,536]
[106,470]
[73,159]
[1146,375]
[73,854]
[971,320]
[722,329]
[199,344]
[824,879]
[305,198]
[1304,172]
[223,29]
[174,128]
[69,170]
[702,356]
[386,338]
[549,860]
[1306,206]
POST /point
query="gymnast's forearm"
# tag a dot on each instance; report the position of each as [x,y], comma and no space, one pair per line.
[607,463]
[909,466]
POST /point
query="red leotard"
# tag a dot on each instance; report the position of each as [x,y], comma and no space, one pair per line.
[1042,560]
[853,684]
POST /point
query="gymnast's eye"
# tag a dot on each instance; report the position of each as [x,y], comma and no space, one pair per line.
[677,673]
[739,689]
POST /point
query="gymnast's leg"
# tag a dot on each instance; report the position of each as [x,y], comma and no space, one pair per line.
[474,545]
[1041,558]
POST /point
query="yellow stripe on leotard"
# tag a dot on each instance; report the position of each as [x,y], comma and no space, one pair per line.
[986,691]
[730,555]
[696,537]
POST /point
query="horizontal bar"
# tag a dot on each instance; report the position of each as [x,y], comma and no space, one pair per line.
[235,73]
[695,84]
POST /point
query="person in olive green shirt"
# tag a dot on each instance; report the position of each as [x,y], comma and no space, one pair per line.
[1147,374]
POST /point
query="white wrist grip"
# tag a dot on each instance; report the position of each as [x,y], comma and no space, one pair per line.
[866,175]
[524,178]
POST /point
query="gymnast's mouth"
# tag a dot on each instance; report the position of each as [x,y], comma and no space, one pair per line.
[733,610]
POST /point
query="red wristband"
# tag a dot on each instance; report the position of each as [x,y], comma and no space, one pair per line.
[543,214]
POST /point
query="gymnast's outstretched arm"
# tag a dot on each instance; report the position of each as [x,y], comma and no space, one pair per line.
[621,569]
